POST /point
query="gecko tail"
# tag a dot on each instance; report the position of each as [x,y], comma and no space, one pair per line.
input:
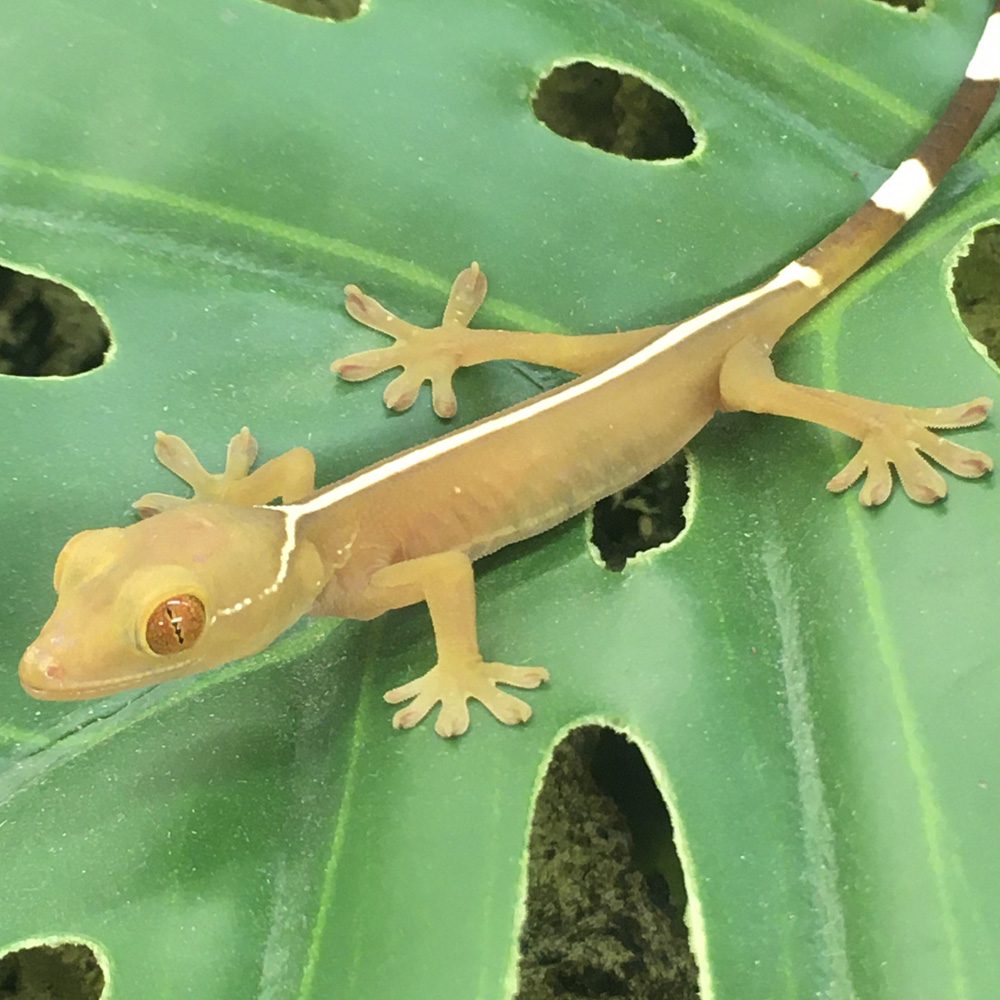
[852,244]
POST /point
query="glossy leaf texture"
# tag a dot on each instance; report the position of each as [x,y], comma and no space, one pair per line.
[815,686]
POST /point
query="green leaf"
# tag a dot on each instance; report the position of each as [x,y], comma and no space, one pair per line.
[813,684]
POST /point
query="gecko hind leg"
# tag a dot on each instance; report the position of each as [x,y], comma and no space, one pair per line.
[290,476]
[890,436]
[445,582]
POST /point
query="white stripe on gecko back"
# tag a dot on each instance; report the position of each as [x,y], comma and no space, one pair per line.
[906,189]
[792,274]
[985,64]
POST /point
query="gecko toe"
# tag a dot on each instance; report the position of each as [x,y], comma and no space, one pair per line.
[849,474]
[956,458]
[414,713]
[952,417]
[156,503]
[453,719]
[509,710]
[878,484]
[443,397]
[240,455]
[366,364]
[468,291]
[920,482]
[401,393]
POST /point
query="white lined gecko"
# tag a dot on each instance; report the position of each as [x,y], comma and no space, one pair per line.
[207,581]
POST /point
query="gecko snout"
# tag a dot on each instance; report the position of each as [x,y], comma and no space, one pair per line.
[39,672]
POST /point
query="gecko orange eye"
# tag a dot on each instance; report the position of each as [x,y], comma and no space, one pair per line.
[175,624]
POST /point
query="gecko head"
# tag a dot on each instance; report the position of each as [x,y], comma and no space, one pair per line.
[192,588]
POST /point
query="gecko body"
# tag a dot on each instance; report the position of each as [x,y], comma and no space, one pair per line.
[198,583]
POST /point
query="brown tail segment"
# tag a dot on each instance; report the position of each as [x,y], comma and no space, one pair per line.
[852,244]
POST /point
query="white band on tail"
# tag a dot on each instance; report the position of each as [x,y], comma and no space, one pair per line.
[985,63]
[907,188]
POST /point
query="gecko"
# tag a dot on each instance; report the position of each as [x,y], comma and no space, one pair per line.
[199,582]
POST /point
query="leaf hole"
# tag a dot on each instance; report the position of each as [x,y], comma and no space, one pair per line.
[325,10]
[976,289]
[910,5]
[613,111]
[644,516]
[66,970]
[606,897]
[46,328]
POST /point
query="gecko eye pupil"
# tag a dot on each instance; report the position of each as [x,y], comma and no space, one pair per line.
[175,624]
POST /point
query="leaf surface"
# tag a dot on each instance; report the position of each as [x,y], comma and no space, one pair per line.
[814,685]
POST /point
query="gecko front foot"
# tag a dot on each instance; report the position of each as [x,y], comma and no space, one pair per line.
[453,683]
[290,476]
[899,438]
[176,454]
[426,354]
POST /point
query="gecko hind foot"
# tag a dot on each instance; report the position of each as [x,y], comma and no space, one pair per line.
[900,438]
[426,354]
[453,684]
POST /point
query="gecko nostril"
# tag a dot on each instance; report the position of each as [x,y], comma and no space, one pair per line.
[38,669]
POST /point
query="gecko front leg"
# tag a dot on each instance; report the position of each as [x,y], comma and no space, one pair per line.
[445,582]
[290,476]
[426,354]
[434,354]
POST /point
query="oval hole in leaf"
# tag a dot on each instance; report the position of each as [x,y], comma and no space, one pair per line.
[606,898]
[327,10]
[911,5]
[47,329]
[975,284]
[68,970]
[644,516]
[613,111]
